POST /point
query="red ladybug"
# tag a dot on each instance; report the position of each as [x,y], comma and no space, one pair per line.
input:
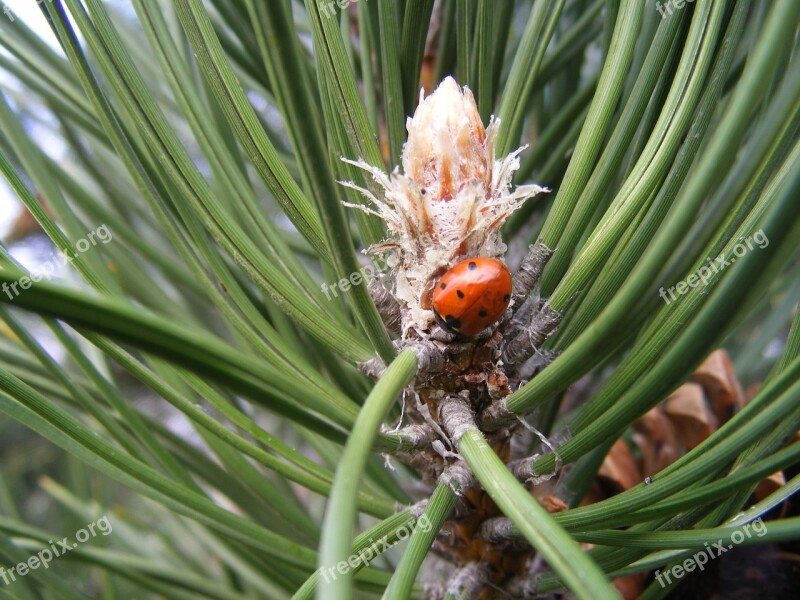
[472,295]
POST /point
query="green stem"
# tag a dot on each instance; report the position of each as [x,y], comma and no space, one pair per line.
[560,551]
[340,515]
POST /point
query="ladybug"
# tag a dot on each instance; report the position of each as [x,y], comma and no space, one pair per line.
[472,295]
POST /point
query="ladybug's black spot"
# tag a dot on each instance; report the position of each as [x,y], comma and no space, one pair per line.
[506,298]
[472,266]
[452,322]
[449,323]
[482,313]
[459,293]
[443,285]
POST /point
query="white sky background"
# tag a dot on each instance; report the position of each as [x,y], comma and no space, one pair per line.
[29,12]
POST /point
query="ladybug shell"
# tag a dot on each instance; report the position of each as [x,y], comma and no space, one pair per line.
[472,295]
